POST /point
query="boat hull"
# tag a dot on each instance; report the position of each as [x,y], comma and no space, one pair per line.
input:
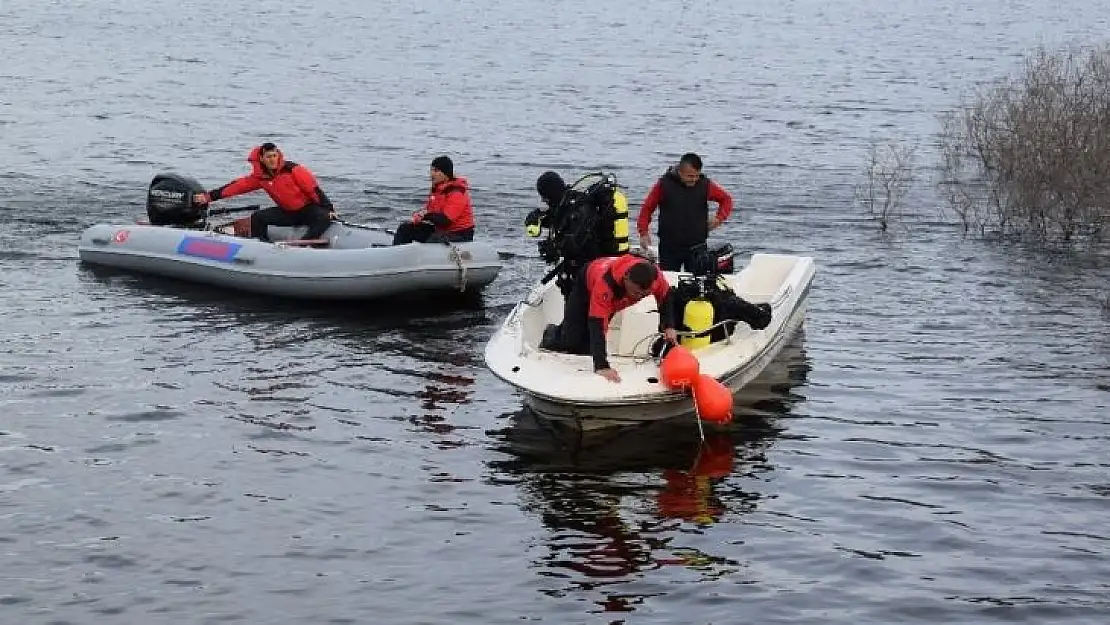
[358,265]
[617,413]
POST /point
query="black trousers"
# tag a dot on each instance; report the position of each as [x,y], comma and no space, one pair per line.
[424,232]
[316,217]
[572,336]
[678,257]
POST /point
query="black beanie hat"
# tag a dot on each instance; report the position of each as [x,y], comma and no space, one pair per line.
[445,165]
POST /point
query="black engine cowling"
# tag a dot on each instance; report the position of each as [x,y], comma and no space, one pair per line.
[169,201]
[711,262]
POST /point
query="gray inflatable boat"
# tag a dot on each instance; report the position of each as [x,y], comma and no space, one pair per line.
[359,262]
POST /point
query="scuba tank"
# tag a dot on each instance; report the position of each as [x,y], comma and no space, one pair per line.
[602,224]
[698,316]
[704,292]
[698,312]
[620,221]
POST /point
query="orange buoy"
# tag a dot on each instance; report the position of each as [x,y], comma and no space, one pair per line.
[712,399]
[679,368]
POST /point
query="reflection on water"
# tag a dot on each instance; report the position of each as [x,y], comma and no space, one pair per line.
[274,359]
[421,328]
[200,300]
[608,526]
[688,494]
[947,442]
[440,397]
[620,502]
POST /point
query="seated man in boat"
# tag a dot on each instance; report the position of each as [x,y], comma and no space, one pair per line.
[447,216]
[583,223]
[299,198]
[605,287]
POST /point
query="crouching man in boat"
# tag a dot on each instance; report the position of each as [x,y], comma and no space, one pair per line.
[299,198]
[607,286]
[447,216]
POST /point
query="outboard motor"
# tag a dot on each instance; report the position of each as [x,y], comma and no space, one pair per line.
[724,257]
[712,262]
[169,201]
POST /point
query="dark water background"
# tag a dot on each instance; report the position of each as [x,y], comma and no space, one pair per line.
[932,450]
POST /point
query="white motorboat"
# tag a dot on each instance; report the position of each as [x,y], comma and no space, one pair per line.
[558,385]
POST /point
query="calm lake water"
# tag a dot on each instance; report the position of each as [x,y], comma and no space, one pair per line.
[931,450]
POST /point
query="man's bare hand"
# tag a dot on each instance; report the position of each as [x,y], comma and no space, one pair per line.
[609,374]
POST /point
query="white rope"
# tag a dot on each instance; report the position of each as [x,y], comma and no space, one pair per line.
[680,333]
[697,415]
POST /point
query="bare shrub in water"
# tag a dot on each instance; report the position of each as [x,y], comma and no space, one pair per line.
[888,174]
[1029,157]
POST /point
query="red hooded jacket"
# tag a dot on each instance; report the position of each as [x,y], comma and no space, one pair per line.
[604,279]
[292,186]
[448,206]
[607,295]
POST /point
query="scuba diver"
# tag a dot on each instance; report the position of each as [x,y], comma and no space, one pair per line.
[585,221]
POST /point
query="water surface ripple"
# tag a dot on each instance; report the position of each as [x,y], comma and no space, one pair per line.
[930,450]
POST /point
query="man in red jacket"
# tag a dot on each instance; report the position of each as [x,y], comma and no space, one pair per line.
[299,198]
[683,195]
[447,216]
[607,286]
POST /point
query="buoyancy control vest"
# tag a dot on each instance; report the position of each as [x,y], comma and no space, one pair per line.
[591,221]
